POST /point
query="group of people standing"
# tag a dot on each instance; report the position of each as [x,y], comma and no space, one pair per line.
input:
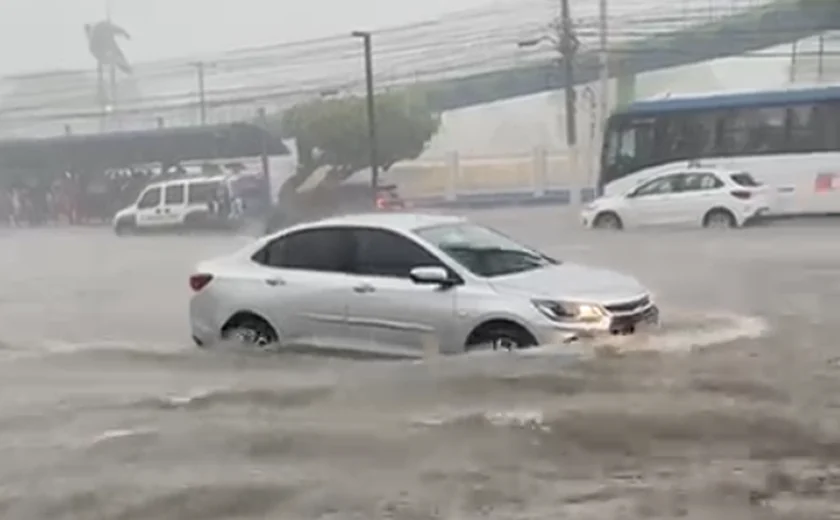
[38,205]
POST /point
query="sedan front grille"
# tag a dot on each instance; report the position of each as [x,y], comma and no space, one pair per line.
[629,306]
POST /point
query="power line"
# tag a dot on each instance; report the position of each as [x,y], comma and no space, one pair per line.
[419,52]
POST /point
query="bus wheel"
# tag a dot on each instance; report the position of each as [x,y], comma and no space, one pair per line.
[719,219]
[607,220]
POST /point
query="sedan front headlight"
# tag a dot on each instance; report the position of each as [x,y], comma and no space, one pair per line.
[568,311]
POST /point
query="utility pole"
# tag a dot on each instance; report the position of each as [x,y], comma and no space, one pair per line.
[565,42]
[567,45]
[201,68]
[371,109]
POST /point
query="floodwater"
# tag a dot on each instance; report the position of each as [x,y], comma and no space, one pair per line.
[730,411]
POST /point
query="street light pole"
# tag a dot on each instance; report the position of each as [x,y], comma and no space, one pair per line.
[371,109]
[604,58]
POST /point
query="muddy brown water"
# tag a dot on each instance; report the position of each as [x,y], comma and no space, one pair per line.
[730,411]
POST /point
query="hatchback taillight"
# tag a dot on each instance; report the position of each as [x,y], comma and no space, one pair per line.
[200,281]
[740,194]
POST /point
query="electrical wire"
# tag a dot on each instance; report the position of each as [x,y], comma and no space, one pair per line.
[464,43]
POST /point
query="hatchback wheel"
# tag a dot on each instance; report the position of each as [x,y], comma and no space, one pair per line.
[124,227]
[607,220]
[719,219]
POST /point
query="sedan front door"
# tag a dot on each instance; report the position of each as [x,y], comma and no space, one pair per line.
[390,314]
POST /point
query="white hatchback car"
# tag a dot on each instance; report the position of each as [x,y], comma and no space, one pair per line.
[394,284]
[685,197]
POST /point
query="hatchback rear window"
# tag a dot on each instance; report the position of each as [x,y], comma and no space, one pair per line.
[744,179]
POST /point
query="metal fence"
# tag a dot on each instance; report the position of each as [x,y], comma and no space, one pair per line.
[538,176]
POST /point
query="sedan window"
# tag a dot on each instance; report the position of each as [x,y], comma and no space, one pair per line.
[321,249]
[382,253]
[483,251]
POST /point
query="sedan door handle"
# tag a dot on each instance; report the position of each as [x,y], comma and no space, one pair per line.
[364,288]
[274,282]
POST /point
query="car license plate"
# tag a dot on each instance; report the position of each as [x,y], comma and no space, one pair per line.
[649,319]
[634,323]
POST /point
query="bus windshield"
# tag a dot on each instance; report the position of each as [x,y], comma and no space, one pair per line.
[659,132]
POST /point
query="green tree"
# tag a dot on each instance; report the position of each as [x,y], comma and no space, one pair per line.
[332,135]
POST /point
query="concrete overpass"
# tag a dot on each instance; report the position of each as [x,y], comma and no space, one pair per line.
[778,23]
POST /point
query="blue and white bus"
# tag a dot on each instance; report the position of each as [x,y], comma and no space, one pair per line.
[788,140]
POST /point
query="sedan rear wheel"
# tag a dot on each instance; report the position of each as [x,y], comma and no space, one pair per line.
[251,332]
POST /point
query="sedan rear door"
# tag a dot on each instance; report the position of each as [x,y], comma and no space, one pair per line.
[305,287]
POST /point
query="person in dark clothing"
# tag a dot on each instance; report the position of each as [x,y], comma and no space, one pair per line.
[223,201]
[102,43]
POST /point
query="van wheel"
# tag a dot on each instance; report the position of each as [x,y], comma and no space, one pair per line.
[194,221]
[124,227]
[607,220]
[719,219]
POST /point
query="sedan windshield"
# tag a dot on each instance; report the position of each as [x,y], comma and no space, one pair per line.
[483,251]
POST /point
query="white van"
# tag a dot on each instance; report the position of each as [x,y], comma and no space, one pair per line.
[186,203]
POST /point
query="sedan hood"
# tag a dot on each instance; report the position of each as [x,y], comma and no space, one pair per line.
[574,282]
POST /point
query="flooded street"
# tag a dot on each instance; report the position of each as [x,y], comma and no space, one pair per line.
[730,411]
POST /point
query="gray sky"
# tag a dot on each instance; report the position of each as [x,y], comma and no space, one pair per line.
[37,35]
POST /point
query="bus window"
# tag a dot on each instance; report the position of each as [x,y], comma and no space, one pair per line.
[688,135]
[828,126]
[754,131]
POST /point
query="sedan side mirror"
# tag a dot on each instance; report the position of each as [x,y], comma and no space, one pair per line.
[430,276]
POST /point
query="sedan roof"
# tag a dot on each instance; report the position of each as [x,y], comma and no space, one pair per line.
[405,222]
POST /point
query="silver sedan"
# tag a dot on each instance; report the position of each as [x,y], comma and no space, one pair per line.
[403,284]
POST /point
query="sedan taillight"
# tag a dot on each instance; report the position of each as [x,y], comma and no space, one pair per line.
[741,194]
[200,281]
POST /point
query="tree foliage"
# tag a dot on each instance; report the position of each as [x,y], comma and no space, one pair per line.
[333,134]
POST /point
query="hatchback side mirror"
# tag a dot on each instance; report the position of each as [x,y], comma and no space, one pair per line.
[432,275]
